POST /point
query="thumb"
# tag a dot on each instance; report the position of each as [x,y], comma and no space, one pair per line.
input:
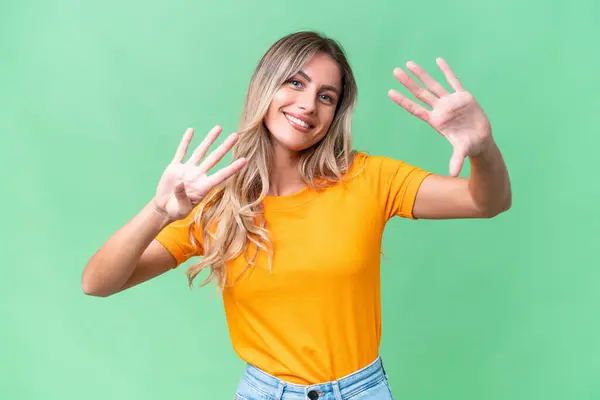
[456,162]
[179,190]
[181,195]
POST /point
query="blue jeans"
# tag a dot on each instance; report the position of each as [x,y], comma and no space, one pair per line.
[369,382]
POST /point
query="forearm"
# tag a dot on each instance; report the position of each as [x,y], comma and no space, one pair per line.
[489,183]
[111,266]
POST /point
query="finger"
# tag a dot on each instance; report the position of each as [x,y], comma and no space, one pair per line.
[216,156]
[183,145]
[409,105]
[449,74]
[225,173]
[420,92]
[181,195]
[203,147]
[456,162]
[427,80]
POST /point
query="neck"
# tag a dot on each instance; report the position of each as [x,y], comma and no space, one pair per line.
[285,178]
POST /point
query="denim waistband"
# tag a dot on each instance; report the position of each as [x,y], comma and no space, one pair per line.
[344,387]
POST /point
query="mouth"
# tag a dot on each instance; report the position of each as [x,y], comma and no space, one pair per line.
[298,123]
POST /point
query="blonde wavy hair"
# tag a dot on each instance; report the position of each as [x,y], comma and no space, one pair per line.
[231,216]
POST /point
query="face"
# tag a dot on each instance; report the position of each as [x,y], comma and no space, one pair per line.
[304,106]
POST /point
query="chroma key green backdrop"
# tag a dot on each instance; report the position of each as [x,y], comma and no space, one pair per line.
[94,97]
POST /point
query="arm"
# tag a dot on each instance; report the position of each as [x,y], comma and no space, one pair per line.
[485,194]
[129,257]
[132,255]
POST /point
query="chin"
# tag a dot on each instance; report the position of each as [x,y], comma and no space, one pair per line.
[292,141]
[294,146]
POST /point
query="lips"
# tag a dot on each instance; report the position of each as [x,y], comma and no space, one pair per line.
[298,122]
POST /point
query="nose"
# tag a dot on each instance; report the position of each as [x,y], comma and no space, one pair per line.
[306,101]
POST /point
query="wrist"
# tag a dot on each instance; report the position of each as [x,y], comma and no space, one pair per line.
[486,148]
[159,213]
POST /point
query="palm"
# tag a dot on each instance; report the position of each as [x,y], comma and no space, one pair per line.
[195,185]
[457,116]
[184,184]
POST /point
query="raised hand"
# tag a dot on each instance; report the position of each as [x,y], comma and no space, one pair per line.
[184,184]
[457,116]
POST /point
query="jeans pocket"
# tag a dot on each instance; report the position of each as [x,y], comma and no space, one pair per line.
[381,391]
[248,391]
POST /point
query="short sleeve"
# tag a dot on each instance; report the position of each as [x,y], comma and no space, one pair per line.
[397,184]
[177,238]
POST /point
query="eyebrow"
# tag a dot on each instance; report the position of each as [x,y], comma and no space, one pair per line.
[327,87]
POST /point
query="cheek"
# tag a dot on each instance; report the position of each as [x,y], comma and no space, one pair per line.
[273,109]
[327,118]
[281,98]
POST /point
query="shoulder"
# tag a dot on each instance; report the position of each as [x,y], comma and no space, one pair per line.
[370,165]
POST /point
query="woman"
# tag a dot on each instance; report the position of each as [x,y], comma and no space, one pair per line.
[291,230]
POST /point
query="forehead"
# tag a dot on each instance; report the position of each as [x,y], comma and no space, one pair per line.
[323,70]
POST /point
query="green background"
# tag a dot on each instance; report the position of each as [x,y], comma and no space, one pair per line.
[94,98]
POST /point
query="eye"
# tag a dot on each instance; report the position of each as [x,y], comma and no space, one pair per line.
[327,98]
[296,83]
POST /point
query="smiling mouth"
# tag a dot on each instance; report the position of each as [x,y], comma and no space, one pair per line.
[298,121]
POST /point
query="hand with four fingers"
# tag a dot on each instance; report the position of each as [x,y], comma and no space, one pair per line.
[457,116]
[183,185]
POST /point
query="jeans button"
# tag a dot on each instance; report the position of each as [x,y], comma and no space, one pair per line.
[313,395]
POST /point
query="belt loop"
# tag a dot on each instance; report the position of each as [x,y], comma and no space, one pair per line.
[280,388]
[337,394]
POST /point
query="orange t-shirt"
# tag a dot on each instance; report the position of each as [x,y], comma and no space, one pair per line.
[316,316]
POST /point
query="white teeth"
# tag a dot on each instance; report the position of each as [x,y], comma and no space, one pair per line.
[297,121]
